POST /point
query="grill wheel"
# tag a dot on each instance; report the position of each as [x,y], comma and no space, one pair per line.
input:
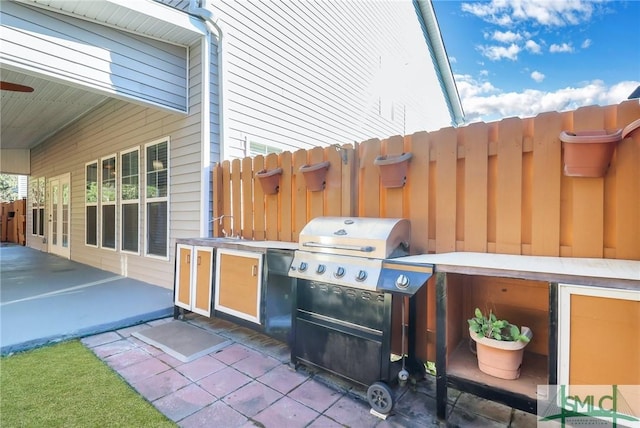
[380,397]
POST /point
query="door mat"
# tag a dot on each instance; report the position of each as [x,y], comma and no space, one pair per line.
[182,340]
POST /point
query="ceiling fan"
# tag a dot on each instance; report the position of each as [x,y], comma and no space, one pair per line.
[15,87]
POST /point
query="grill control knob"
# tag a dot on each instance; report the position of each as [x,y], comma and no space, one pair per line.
[302,267]
[321,269]
[339,273]
[362,275]
[402,282]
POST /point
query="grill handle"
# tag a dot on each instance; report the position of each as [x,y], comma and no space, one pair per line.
[365,249]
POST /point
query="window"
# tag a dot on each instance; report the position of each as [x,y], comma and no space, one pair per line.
[91,204]
[256,149]
[108,191]
[36,189]
[129,200]
[157,198]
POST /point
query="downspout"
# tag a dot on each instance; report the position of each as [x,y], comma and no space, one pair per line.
[199,9]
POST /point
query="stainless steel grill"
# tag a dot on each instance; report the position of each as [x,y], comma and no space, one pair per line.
[355,252]
[348,269]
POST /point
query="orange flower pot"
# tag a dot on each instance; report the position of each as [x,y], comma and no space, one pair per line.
[314,175]
[269,180]
[393,169]
[500,358]
[588,153]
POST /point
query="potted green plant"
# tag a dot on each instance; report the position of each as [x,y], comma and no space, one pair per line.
[499,344]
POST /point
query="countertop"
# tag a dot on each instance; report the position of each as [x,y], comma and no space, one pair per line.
[612,273]
[239,244]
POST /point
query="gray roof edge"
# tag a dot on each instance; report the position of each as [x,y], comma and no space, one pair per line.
[433,37]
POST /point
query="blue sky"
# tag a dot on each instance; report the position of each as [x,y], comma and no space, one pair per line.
[524,57]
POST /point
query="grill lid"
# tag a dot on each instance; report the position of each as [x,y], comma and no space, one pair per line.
[378,238]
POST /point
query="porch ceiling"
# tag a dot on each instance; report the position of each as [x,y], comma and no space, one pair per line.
[30,117]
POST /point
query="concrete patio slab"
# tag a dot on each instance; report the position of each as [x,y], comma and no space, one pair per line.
[46,298]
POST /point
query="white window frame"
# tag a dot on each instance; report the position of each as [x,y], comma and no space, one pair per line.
[124,202]
[108,203]
[166,199]
[36,197]
[92,204]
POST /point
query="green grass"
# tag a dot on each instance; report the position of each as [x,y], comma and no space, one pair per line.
[66,385]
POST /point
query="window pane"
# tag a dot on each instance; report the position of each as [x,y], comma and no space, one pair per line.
[130,227]
[41,185]
[157,228]
[33,192]
[130,176]
[109,180]
[157,170]
[34,218]
[92,222]
[109,226]
[92,183]
[41,222]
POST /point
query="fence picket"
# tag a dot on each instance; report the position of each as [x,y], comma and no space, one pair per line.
[494,187]
[588,195]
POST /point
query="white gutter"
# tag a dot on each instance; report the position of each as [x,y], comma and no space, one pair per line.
[439,54]
[201,10]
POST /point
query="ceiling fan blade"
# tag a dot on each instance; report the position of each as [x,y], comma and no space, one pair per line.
[8,86]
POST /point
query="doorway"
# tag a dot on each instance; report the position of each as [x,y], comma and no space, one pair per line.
[59,193]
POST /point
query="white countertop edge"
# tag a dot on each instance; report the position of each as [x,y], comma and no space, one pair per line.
[585,267]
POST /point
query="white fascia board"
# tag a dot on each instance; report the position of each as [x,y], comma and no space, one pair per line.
[183,25]
[164,14]
[443,67]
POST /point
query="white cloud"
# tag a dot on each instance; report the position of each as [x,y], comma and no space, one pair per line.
[533,47]
[537,76]
[469,88]
[565,47]
[484,102]
[496,53]
[506,36]
[554,13]
[453,59]
[484,72]
[586,43]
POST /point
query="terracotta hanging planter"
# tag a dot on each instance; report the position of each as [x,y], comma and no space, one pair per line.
[628,130]
[269,180]
[588,153]
[314,175]
[393,169]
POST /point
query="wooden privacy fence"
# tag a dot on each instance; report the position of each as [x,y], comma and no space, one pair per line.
[487,187]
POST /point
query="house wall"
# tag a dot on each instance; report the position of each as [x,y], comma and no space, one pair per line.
[116,126]
[304,74]
[94,56]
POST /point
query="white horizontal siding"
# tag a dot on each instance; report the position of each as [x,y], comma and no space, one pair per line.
[99,57]
[303,74]
[112,128]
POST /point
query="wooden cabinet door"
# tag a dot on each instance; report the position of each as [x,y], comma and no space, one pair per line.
[182,284]
[239,283]
[600,344]
[201,289]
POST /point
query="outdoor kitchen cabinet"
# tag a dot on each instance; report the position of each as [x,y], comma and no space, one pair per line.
[607,321]
[534,291]
[238,284]
[193,279]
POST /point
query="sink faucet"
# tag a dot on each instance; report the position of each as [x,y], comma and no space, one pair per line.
[219,219]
